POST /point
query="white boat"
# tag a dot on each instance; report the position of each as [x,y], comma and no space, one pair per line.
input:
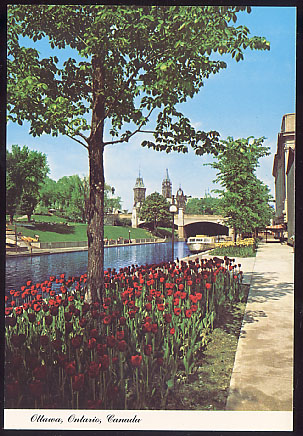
[201,243]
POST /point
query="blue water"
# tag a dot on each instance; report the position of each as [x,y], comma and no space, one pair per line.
[39,268]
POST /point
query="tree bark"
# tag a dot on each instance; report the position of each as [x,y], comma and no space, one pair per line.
[95,227]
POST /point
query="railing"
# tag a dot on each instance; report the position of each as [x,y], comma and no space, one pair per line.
[83,244]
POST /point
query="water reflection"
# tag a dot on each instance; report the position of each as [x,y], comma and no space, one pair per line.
[39,268]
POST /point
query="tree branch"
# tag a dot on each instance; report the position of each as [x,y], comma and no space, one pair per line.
[77,140]
[118,141]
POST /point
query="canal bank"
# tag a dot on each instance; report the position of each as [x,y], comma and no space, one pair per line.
[53,249]
[38,267]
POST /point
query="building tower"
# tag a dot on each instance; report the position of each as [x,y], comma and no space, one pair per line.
[139,197]
[139,192]
[167,187]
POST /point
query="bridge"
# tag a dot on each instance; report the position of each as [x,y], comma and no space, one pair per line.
[190,225]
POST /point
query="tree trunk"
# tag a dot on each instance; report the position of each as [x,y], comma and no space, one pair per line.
[95,227]
[29,218]
[95,219]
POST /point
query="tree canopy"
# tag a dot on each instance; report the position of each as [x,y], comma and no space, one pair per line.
[137,63]
[207,205]
[26,171]
[155,210]
[245,198]
[69,195]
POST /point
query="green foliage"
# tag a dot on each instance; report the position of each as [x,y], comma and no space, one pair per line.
[200,206]
[124,222]
[138,63]
[155,210]
[26,171]
[248,251]
[70,194]
[245,198]
[48,194]
[161,54]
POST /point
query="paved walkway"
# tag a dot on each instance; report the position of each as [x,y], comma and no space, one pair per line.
[262,378]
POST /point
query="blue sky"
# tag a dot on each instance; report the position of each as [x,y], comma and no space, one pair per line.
[249,98]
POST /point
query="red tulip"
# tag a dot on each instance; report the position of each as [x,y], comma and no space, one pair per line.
[120,335]
[107,320]
[111,341]
[147,350]
[168,317]
[18,311]
[70,368]
[83,322]
[104,360]
[154,328]
[77,341]
[122,345]
[177,311]
[136,361]
[93,369]
[78,382]
[36,388]
[188,313]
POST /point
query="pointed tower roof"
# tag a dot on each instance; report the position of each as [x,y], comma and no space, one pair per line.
[139,182]
[167,176]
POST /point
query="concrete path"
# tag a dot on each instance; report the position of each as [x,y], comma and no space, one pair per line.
[262,378]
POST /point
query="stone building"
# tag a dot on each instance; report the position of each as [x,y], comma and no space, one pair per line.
[139,197]
[167,187]
[284,174]
[139,191]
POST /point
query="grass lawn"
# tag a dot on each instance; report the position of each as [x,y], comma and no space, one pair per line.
[55,229]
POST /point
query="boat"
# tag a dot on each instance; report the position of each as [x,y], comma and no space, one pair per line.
[202,242]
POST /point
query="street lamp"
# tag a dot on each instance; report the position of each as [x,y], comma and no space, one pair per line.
[129,237]
[173,209]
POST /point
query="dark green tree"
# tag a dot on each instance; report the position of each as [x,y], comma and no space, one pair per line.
[245,198]
[26,171]
[48,195]
[137,62]
[155,210]
[207,205]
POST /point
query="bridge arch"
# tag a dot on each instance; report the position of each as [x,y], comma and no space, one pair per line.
[205,228]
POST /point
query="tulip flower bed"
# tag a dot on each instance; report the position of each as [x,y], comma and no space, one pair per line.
[123,353]
[242,248]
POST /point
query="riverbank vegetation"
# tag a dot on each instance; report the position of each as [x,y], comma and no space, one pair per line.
[138,349]
[241,248]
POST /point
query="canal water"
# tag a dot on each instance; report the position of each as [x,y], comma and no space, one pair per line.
[39,268]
